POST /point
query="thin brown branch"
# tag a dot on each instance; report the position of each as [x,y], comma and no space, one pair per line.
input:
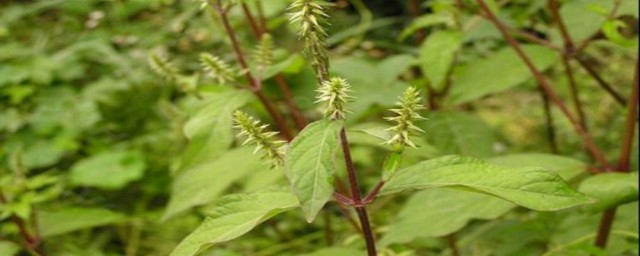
[606,86]
[555,15]
[586,137]
[298,118]
[575,94]
[453,246]
[630,126]
[623,162]
[355,193]
[256,85]
[548,117]
[32,242]
[414,10]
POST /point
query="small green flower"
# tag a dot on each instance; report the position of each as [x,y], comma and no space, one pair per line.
[263,53]
[256,133]
[406,114]
[335,94]
[311,17]
[163,67]
[217,68]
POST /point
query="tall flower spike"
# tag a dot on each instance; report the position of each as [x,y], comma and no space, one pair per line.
[263,54]
[163,67]
[217,68]
[311,17]
[335,94]
[256,133]
[406,114]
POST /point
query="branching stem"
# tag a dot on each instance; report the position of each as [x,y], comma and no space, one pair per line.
[255,84]
[586,137]
[356,196]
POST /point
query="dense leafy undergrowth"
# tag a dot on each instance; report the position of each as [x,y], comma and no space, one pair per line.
[114,139]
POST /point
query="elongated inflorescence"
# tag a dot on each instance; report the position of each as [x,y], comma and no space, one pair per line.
[263,54]
[334,93]
[256,133]
[218,69]
[406,115]
[163,67]
[311,17]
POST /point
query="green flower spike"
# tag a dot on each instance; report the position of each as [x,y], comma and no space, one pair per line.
[255,133]
[263,54]
[217,68]
[407,113]
[163,67]
[335,94]
[311,17]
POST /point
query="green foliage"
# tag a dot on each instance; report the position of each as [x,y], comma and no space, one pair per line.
[533,188]
[117,128]
[234,216]
[310,165]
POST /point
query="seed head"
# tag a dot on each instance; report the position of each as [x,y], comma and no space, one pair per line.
[256,133]
[334,93]
[311,17]
[406,114]
[163,67]
[217,68]
[263,53]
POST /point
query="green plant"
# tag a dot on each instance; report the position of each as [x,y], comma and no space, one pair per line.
[318,128]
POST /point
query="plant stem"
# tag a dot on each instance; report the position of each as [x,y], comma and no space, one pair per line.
[555,15]
[32,242]
[256,85]
[548,117]
[414,10]
[606,86]
[355,193]
[575,94]
[298,118]
[623,162]
[586,137]
[451,240]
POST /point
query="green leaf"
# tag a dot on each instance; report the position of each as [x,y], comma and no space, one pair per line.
[611,30]
[8,248]
[109,170]
[310,164]
[449,210]
[373,83]
[203,183]
[70,219]
[583,18]
[210,128]
[532,188]
[567,168]
[610,189]
[501,71]
[437,54]
[459,133]
[235,216]
[426,21]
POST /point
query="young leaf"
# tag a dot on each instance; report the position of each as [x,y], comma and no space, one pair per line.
[437,54]
[567,168]
[309,165]
[210,128]
[204,182]
[66,220]
[234,216]
[533,188]
[459,133]
[109,170]
[611,189]
[483,77]
[449,211]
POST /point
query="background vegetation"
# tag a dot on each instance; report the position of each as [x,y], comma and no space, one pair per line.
[101,155]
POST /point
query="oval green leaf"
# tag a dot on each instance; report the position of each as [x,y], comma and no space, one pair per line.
[532,188]
[309,165]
